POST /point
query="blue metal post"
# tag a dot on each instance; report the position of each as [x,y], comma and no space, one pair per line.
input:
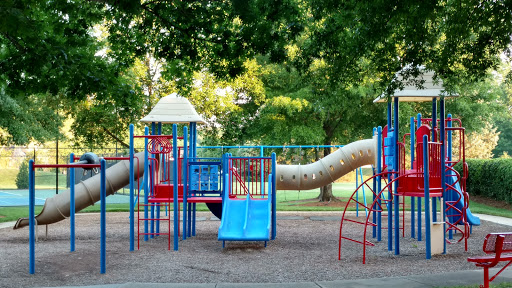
[379,170]
[185,180]
[146,183]
[389,206]
[413,199]
[443,167]
[262,174]
[72,204]
[427,196]
[374,206]
[374,187]
[132,194]
[419,198]
[274,201]
[449,148]
[434,125]
[31,216]
[396,199]
[152,222]
[103,222]
[175,184]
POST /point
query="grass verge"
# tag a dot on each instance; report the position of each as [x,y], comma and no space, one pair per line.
[44,179]
[286,201]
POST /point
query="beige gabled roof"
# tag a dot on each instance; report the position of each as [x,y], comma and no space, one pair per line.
[411,93]
[173,109]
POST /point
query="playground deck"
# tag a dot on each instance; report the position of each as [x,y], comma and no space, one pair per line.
[305,250]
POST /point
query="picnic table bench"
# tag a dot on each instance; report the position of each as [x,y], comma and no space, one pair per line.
[498,246]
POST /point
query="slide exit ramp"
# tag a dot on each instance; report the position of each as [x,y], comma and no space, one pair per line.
[456,194]
[249,204]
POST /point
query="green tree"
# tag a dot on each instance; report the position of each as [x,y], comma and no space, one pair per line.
[49,60]
[194,35]
[351,51]
[22,176]
[52,62]
[480,144]
[504,145]
[102,119]
[503,121]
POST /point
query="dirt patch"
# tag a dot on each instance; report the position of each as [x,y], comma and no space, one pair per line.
[304,250]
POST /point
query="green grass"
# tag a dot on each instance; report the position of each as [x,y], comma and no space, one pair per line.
[44,179]
[476,207]
[286,201]
[7,177]
[8,214]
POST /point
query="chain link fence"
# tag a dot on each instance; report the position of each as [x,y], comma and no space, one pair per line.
[12,157]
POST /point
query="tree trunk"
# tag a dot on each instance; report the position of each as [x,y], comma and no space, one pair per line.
[325,191]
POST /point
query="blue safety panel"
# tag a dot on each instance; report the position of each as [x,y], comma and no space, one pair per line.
[194,177]
[388,141]
[390,160]
[214,177]
[205,177]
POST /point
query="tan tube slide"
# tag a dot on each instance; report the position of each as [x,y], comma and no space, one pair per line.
[327,169]
[87,192]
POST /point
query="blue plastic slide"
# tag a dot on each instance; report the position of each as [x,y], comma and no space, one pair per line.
[245,219]
[472,219]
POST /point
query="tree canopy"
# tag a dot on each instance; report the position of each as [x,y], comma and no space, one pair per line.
[47,61]
[309,68]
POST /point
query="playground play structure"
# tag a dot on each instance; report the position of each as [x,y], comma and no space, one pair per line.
[430,176]
[241,191]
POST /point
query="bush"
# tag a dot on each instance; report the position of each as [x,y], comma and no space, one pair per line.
[22,177]
[490,178]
